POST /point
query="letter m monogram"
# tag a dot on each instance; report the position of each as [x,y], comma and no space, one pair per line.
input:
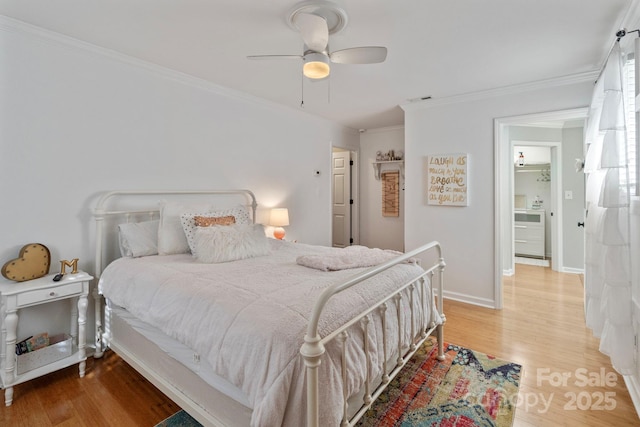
[73,264]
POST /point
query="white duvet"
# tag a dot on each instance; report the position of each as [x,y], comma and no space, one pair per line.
[249,317]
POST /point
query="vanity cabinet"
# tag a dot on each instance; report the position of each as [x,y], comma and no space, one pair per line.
[529,231]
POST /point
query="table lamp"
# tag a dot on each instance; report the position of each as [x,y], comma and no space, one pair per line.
[279,218]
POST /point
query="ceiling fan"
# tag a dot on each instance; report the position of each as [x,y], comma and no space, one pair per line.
[316,20]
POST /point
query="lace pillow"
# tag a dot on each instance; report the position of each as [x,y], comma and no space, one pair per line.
[218,243]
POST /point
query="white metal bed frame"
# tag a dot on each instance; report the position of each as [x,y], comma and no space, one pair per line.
[313,349]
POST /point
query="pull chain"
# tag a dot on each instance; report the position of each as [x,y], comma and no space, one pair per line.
[301,90]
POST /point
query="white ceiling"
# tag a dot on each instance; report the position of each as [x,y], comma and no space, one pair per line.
[437,48]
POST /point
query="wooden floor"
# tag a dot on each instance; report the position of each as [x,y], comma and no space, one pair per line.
[541,328]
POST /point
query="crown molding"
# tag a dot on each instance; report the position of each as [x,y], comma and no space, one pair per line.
[42,35]
[47,36]
[502,91]
[630,19]
[384,129]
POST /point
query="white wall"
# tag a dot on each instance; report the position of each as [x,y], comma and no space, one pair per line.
[377,231]
[76,121]
[467,125]
[573,209]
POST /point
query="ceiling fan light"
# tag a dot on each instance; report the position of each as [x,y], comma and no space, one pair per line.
[316,66]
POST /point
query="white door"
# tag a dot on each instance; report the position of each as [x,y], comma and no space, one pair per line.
[341,209]
[556,211]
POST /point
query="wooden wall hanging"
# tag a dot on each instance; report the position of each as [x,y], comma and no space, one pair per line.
[391,193]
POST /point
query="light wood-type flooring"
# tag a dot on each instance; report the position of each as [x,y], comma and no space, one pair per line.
[541,327]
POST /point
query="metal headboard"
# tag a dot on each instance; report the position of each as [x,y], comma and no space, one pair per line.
[101,212]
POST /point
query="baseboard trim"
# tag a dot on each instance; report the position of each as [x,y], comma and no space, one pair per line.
[573,270]
[633,385]
[482,302]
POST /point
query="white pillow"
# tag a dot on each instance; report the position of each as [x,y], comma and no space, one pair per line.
[138,238]
[189,227]
[171,238]
[222,243]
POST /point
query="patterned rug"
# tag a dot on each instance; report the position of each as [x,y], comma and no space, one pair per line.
[179,419]
[467,389]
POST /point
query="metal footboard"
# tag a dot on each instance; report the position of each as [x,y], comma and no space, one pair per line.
[314,346]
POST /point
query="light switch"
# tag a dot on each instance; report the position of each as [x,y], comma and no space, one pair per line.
[568,194]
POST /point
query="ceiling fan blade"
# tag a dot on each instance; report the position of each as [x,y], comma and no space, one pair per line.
[259,57]
[314,31]
[359,55]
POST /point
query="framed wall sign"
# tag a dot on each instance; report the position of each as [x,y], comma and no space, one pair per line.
[447,179]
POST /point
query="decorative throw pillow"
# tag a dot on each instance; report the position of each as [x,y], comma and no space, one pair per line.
[218,243]
[239,213]
[139,238]
[208,221]
[171,238]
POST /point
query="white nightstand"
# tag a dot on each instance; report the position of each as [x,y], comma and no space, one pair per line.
[14,296]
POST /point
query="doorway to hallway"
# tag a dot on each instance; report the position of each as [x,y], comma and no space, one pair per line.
[568,211]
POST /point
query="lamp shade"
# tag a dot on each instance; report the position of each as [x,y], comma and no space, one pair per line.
[279,217]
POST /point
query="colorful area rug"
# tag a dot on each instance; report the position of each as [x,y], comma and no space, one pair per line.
[467,389]
[179,419]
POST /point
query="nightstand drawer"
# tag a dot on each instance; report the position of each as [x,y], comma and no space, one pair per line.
[42,295]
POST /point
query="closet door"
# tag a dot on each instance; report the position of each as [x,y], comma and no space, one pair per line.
[341,209]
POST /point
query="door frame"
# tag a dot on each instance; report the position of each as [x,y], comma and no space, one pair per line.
[557,245]
[503,184]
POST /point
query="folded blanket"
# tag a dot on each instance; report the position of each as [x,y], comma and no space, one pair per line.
[349,257]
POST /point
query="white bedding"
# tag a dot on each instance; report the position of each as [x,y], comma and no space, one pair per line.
[180,353]
[248,319]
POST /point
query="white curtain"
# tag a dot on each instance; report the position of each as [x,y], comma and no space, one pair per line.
[607,258]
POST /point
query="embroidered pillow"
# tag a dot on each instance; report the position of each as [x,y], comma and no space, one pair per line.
[208,221]
[221,243]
